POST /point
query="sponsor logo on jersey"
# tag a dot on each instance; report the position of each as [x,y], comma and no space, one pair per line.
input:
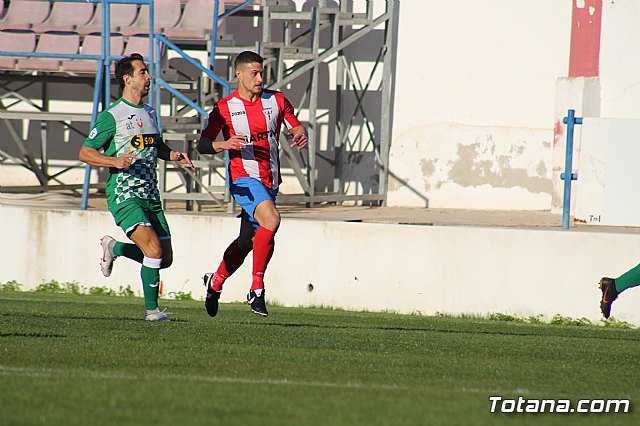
[94,133]
[261,136]
[235,113]
[143,141]
[139,122]
[267,112]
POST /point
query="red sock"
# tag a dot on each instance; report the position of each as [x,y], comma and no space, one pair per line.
[263,243]
[231,261]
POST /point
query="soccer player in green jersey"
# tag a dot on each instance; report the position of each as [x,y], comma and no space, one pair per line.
[128,133]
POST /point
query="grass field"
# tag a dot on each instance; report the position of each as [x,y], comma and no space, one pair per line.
[91,360]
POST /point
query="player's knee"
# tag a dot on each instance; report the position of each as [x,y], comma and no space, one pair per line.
[272,220]
[154,251]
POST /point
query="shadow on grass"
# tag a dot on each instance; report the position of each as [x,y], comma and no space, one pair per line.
[75,317]
[433,330]
[30,335]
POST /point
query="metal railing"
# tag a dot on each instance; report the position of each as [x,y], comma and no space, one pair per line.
[570,120]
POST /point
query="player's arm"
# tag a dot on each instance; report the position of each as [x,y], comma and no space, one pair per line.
[207,143]
[96,159]
[297,131]
[167,154]
[99,138]
[298,136]
[208,146]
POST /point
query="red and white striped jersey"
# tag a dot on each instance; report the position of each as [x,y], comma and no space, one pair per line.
[260,121]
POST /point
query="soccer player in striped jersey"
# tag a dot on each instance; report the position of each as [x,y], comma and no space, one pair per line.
[250,120]
[128,133]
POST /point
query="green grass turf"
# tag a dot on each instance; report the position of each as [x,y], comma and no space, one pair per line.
[79,360]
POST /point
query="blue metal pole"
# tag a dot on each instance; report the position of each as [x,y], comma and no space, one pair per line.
[214,36]
[156,87]
[570,120]
[106,49]
[94,116]
[152,54]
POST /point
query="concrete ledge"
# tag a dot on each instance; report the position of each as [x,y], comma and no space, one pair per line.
[403,268]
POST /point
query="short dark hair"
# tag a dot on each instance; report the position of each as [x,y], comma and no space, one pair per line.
[247,57]
[124,67]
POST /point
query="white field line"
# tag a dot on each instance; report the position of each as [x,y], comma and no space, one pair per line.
[44,372]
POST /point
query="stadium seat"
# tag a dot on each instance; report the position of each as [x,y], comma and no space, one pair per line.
[15,41]
[66,17]
[167,15]
[23,14]
[92,45]
[62,42]
[196,22]
[139,43]
[120,16]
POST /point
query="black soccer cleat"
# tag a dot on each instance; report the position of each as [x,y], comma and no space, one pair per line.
[257,303]
[211,302]
[609,294]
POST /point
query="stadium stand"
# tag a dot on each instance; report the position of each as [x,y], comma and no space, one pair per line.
[196,22]
[16,41]
[167,15]
[121,16]
[23,14]
[92,45]
[66,17]
[60,42]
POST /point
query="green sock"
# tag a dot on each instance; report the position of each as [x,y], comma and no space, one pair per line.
[128,250]
[150,274]
[629,279]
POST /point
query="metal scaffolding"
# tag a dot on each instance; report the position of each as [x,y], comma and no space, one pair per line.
[334,61]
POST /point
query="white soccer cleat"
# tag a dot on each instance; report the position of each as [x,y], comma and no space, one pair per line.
[106,263]
[157,315]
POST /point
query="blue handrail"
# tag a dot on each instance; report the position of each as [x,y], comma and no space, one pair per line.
[214,28]
[570,120]
[161,83]
[94,116]
[208,72]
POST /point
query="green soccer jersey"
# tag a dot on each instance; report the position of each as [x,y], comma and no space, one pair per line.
[122,128]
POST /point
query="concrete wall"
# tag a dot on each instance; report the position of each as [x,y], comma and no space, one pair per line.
[474,102]
[402,268]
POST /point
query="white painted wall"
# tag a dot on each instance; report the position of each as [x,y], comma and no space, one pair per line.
[619,63]
[474,102]
[402,268]
[609,175]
